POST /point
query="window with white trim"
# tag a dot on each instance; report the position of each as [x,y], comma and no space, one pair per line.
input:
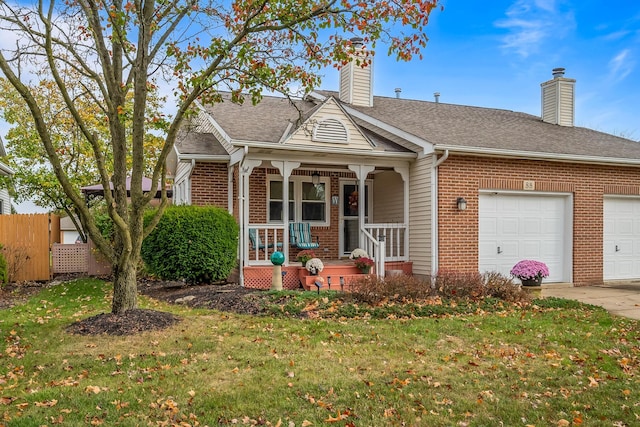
[308,202]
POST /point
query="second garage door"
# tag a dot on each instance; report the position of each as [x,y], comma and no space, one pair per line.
[513,227]
[621,248]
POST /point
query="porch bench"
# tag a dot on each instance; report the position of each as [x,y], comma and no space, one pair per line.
[300,236]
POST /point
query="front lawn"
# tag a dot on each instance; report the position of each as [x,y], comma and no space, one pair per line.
[551,363]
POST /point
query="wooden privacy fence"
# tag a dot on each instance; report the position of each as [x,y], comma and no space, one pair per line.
[27,241]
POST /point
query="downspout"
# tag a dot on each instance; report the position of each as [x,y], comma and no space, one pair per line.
[434,212]
[241,221]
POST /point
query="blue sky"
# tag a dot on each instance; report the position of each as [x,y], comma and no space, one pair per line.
[496,53]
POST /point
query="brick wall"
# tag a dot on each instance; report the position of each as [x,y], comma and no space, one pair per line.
[209,185]
[465,176]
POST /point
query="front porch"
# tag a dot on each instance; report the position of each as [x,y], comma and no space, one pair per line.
[344,207]
[339,274]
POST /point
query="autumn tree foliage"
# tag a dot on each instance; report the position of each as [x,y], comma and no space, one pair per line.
[122,50]
[34,178]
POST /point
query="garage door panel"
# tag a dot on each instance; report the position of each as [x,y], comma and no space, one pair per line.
[509,227]
[621,239]
[526,227]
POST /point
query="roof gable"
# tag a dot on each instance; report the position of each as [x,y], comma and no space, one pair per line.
[329,126]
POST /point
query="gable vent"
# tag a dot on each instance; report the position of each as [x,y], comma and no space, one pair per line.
[330,130]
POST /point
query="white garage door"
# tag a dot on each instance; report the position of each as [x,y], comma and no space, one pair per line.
[621,249]
[513,227]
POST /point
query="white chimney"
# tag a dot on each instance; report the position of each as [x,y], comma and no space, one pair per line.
[356,81]
[558,99]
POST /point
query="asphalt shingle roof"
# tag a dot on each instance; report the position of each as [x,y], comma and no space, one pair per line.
[444,125]
[489,128]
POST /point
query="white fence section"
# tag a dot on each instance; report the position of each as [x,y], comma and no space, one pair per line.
[263,240]
[395,237]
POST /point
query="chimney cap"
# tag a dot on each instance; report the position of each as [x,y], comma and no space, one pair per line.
[558,72]
[357,41]
[398,90]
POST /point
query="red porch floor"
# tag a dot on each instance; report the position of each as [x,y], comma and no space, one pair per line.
[294,276]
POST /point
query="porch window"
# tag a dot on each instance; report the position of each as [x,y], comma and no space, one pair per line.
[307,201]
[275,201]
[313,202]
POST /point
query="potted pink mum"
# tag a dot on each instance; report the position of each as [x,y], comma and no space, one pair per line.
[530,272]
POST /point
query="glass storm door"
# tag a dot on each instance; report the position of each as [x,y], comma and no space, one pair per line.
[349,230]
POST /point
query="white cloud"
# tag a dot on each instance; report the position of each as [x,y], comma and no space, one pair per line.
[621,65]
[530,23]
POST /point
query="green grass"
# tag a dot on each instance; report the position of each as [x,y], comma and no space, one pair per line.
[539,365]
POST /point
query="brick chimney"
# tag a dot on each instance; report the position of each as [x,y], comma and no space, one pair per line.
[558,99]
[356,81]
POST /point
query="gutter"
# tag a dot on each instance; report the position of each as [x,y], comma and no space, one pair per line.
[434,212]
[557,157]
[6,169]
[329,150]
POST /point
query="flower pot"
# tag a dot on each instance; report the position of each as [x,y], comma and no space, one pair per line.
[365,270]
[536,281]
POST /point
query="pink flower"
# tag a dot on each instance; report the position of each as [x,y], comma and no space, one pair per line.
[529,269]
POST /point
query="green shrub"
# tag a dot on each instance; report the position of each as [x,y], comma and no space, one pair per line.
[192,243]
[4,275]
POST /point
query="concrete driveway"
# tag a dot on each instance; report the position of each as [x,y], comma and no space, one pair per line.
[619,298]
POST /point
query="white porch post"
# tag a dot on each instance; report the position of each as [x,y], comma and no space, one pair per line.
[243,210]
[230,188]
[285,168]
[361,172]
[404,173]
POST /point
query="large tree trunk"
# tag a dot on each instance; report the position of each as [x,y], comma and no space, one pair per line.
[125,286]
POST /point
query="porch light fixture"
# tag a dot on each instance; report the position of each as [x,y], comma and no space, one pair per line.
[315,178]
[335,200]
[462,203]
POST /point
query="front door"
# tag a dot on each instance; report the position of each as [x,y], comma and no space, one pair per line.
[349,229]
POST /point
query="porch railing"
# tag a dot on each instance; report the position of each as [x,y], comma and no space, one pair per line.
[262,240]
[395,237]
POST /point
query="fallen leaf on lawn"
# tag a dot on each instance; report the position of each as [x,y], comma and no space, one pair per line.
[306,423]
[563,423]
[92,389]
[593,382]
[47,403]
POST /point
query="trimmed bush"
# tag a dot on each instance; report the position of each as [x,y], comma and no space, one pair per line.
[192,243]
[4,275]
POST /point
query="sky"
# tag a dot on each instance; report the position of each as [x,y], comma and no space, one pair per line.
[496,53]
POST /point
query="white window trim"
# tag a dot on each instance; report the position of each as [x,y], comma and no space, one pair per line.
[297,181]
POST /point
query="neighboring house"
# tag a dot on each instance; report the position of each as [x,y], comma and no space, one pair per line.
[69,234]
[451,187]
[5,199]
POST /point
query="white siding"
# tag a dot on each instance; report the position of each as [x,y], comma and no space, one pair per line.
[356,84]
[6,201]
[420,243]
[330,110]
[558,101]
[566,102]
[182,185]
[388,189]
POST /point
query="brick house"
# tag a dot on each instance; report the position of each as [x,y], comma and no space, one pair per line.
[448,186]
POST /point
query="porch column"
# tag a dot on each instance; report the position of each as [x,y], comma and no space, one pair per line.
[285,168]
[246,168]
[361,172]
[403,171]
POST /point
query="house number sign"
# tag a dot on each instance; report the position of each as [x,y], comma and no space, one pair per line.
[529,185]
